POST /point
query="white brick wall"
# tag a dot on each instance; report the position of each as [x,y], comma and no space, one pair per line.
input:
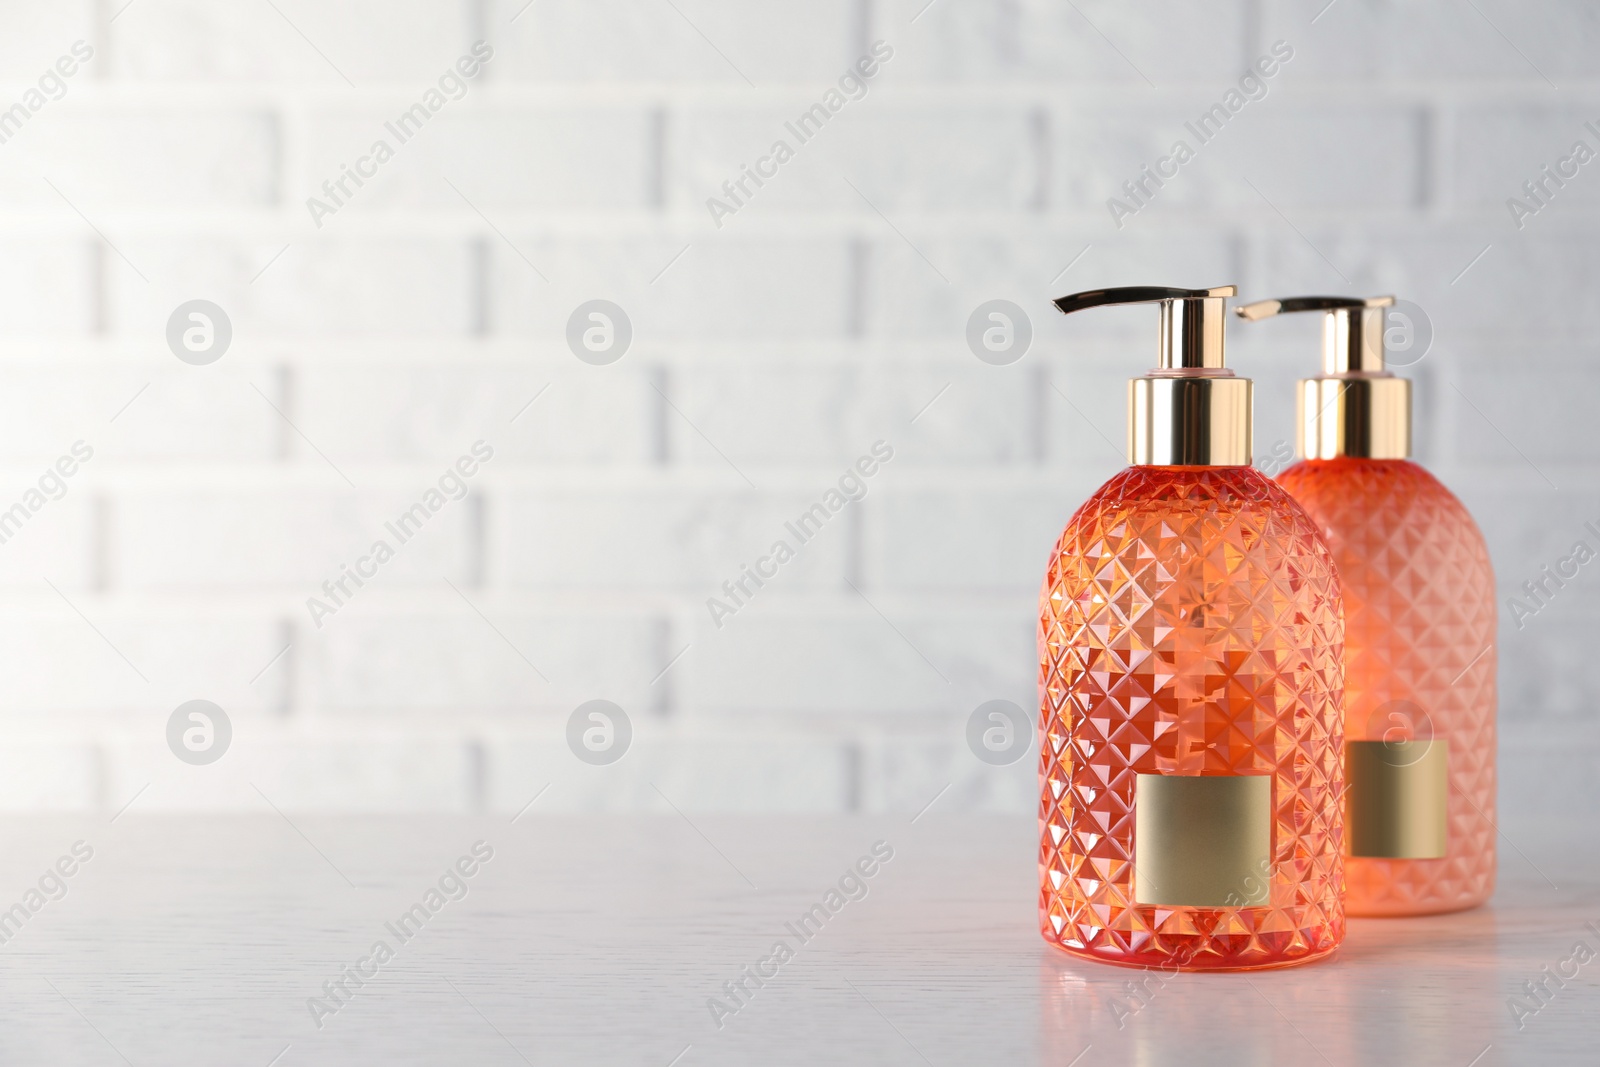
[767,355]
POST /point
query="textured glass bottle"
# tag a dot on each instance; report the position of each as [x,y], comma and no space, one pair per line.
[1420,614]
[1419,611]
[1190,643]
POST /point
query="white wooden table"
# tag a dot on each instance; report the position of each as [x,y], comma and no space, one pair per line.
[199,940]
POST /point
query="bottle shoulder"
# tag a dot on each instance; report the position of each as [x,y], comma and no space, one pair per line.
[1364,505]
[1367,483]
[1190,496]
[1234,516]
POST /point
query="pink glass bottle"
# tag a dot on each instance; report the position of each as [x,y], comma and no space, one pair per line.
[1419,601]
[1190,679]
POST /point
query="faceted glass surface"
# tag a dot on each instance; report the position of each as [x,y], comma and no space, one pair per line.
[1189,624]
[1419,608]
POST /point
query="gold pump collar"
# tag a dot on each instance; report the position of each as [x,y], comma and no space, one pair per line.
[1190,410]
[1356,407]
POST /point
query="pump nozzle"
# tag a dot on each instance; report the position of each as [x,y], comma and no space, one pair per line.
[1191,410]
[1356,408]
[1191,319]
[1352,328]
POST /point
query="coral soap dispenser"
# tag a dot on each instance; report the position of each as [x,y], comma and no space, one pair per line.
[1419,601]
[1191,684]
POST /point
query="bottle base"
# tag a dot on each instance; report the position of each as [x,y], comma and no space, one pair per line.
[1380,910]
[1160,961]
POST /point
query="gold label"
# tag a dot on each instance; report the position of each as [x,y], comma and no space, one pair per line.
[1202,842]
[1395,798]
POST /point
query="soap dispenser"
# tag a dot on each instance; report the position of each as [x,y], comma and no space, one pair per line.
[1191,685]
[1419,601]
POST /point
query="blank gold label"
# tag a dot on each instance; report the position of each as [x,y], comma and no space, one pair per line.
[1395,799]
[1202,842]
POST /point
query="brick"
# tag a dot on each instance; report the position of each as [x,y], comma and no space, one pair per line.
[1087,393]
[804,329]
[1547,669]
[717,288]
[693,772]
[1086,396]
[988,415]
[368,41]
[1532,284]
[1028,266]
[383,662]
[56,543]
[1296,152]
[331,774]
[499,158]
[1034,40]
[58,665]
[47,775]
[953,411]
[1430,41]
[770,44]
[1495,148]
[687,539]
[1546,764]
[187,414]
[38,34]
[906,774]
[47,407]
[899,158]
[1527,524]
[768,660]
[762,413]
[295,538]
[971,539]
[321,285]
[122,158]
[1519,416]
[423,412]
[47,287]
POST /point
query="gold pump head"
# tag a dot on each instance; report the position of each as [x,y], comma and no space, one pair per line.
[1191,410]
[1356,407]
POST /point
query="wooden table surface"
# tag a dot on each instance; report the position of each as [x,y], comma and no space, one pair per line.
[603,940]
